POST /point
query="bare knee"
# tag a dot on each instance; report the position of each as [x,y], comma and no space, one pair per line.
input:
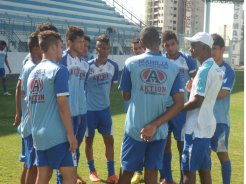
[125,177]
[150,176]
[223,157]
[69,175]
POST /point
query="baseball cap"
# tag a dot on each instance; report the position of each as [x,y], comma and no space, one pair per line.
[202,37]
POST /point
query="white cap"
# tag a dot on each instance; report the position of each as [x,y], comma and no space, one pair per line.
[202,37]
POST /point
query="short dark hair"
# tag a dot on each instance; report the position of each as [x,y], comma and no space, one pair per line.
[87,38]
[74,32]
[135,41]
[46,26]
[103,38]
[33,41]
[3,43]
[48,38]
[149,36]
[169,35]
[218,40]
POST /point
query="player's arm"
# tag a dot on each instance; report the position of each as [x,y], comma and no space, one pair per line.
[18,104]
[66,118]
[125,84]
[61,90]
[177,93]
[115,77]
[7,64]
[194,103]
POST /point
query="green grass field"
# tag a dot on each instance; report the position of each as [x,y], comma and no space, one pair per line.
[10,167]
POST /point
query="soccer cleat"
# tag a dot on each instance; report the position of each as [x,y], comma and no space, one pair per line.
[164,181]
[94,177]
[112,179]
[137,178]
[7,93]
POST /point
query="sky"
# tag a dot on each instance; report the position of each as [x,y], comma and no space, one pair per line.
[221,14]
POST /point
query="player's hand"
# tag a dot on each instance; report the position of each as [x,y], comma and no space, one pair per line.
[188,84]
[17,120]
[148,132]
[72,142]
[10,71]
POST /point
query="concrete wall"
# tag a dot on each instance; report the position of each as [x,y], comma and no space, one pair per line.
[15,61]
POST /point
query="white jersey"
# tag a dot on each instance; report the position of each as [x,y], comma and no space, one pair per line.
[201,121]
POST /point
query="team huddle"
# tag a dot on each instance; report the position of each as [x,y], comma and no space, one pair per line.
[63,96]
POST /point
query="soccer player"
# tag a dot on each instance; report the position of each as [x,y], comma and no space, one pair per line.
[103,73]
[188,68]
[200,121]
[77,73]
[219,141]
[3,59]
[86,55]
[50,115]
[137,49]
[148,79]
[25,126]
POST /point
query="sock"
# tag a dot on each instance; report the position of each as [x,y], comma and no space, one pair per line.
[110,165]
[226,172]
[166,171]
[58,177]
[5,88]
[91,165]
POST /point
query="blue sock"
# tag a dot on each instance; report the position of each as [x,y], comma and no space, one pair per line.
[5,88]
[226,172]
[58,177]
[110,165]
[91,166]
[166,171]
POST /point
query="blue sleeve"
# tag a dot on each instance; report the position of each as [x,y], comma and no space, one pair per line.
[192,64]
[177,85]
[201,84]
[116,73]
[229,79]
[64,60]
[61,82]
[125,83]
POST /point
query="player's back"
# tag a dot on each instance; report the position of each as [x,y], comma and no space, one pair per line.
[48,129]
[3,54]
[152,78]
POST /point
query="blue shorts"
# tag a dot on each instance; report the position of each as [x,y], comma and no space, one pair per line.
[219,142]
[29,152]
[100,120]
[195,154]
[56,157]
[2,72]
[176,125]
[135,154]
[22,154]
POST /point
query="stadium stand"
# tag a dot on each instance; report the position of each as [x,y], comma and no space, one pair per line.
[19,18]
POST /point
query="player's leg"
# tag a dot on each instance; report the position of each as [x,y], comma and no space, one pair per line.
[153,154]
[189,177]
[69,175]
[30,156]
[80,136]
[195,157]
[105,127]
[89,137]
[205,176]
[22,159]
[150,176]
[166,171]
[3,79]
[44,175]
[129,161]
[219,144]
